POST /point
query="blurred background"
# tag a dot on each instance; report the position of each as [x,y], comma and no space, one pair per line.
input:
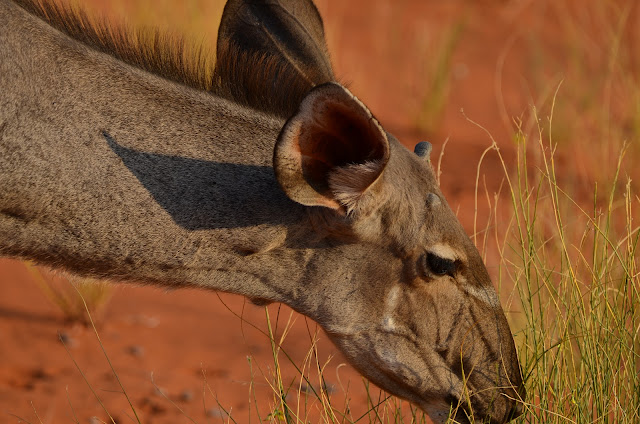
[521,93]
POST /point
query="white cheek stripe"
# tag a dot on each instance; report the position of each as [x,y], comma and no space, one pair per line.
[390,304]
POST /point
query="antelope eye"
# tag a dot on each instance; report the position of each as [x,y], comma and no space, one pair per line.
[440,266]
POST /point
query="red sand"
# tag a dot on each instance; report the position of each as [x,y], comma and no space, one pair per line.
[380,48]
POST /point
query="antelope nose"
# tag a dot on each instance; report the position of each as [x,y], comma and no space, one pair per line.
[510,415]
[518,407]
[516,410]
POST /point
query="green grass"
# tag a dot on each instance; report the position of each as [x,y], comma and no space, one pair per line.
[574,266]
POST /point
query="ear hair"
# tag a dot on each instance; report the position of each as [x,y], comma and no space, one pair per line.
[349,183]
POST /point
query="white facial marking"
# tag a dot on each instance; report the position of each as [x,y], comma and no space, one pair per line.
[445,251]
[389,307]
[482,294]
[393,297]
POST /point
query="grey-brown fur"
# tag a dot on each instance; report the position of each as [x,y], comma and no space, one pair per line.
[109,170]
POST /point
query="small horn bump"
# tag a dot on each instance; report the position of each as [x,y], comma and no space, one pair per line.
[423,149]
[433,200]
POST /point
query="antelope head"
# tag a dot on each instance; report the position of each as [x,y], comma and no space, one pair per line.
[405,293]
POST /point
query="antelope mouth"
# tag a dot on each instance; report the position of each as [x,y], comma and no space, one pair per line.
[441,413]
[458,398]
[417,383]
[393,361]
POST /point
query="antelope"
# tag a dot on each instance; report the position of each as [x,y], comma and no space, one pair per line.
[262,176]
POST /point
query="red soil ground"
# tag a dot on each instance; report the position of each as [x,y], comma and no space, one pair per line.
[386,50]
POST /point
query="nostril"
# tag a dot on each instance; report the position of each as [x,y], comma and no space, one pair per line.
[518,407]
[522,393]
[516,411]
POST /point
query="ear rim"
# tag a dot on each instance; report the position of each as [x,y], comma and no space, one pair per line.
[288,166]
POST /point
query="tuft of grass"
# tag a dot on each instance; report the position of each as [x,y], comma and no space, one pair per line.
[307,398]
[573,264]
[74,296]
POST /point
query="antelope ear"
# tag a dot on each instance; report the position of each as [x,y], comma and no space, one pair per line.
[271,53]
[331,151]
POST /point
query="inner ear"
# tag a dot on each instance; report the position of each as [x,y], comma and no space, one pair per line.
[332,132]
[338,136]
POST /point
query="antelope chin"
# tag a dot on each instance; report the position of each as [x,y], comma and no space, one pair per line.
[439,412]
